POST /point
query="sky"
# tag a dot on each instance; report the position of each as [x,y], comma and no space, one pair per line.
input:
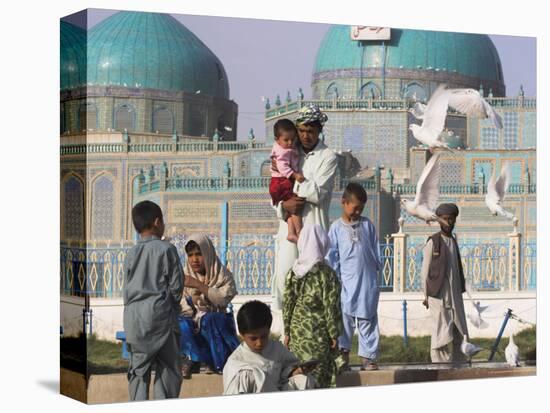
[263,58]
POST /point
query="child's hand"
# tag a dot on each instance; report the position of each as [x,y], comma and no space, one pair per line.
[296,371]
[191,282]
[286,341]
[333,343]
[274,165]
[299,177]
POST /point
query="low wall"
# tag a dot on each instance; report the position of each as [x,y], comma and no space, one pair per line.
[107,313]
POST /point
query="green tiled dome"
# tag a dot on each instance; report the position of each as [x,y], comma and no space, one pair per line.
[466,54]
[72,56]
[153,50]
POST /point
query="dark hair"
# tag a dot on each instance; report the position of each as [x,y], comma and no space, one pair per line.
[285,125]
[356,190]
[144,214]
[254,315]
[190,246]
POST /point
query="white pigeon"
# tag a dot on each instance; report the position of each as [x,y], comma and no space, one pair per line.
[427,192]
[475,318]
[469,349]
[433,119]
[433,115]
[512,353]
[496,189]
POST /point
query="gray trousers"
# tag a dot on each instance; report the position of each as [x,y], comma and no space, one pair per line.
[441,354]
[167,364]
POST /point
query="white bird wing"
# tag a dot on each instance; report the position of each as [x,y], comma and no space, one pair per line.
[467,101]
[493,115]
[427,187]
[496,188]
[418,110]
[435,111]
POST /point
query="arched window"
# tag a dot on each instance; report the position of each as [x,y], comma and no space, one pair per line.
[332,92]
[87,117]
[243,170]
[265,169]
[369,91]
[414,91]
[163,121]
[197,121]
[73,202]
[103,203]
[125,118]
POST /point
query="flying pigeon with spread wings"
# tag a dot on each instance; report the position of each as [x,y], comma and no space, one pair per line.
[427,192]
[433,114]
[496,189]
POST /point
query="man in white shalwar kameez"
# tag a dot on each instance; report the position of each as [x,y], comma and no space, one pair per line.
[318,164]
[443,284]
[261,364]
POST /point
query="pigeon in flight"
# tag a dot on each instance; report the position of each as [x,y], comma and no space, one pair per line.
[433,114]
[427,192]
[496,189]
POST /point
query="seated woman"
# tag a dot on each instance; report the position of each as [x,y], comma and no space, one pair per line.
[208,331]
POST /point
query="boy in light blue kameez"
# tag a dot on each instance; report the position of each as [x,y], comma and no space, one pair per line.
[355,256]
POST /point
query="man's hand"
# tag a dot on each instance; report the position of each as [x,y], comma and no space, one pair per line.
[294,205]
[425,303]
[192,282]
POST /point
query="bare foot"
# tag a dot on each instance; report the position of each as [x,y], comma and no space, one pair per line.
[292,238]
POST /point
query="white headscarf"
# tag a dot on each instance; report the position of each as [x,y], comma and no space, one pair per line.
[313,246]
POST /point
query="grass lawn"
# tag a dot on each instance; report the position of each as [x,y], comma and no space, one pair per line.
[105,356]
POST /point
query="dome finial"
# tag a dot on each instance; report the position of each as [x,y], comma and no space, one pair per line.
[481,92]
[267,104]
[278,100]
[288,98]
[300,94]
[521,91]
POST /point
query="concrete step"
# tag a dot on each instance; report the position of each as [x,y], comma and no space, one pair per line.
[113,388]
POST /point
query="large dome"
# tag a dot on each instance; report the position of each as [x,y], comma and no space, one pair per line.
[151,50]
[72,56]
[468,56]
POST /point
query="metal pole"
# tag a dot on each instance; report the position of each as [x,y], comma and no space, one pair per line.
[497,341]
[224,239]
[405,338]
[90,318]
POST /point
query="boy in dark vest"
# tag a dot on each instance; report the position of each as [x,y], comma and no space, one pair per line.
[443,284]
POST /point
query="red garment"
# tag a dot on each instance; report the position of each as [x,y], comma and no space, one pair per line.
[280,189]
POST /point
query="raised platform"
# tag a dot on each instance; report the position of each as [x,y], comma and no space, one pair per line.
[112,388]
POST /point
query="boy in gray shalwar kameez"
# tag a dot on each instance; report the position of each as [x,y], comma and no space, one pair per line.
[153,288]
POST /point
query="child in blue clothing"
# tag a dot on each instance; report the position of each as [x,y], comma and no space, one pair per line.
[355,256]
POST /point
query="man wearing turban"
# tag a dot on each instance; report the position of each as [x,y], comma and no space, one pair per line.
[443,284]
[318,164]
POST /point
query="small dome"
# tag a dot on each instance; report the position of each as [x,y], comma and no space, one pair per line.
[153,50]
[72,56]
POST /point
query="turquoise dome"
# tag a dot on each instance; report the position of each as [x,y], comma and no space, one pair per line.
[72,56]
[153,50]
[466,54]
